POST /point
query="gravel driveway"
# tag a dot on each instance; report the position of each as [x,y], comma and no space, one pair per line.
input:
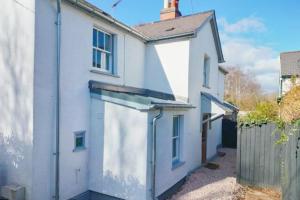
[206,184]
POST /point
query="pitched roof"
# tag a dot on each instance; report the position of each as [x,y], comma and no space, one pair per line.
[290,63]
[180,27]
[174,27]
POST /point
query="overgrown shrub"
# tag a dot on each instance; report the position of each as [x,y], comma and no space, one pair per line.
[264,112]
[290,105]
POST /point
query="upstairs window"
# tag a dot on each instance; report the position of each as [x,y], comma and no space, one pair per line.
[206,71]
[102,51]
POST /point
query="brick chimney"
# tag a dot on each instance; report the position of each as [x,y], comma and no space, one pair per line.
[170,10]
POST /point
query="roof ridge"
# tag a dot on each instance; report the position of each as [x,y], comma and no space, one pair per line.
[287,52]
[177,18]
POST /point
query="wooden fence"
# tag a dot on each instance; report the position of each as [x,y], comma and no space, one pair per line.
[262,163]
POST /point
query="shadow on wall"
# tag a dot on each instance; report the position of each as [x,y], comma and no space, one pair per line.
[130,155]
[16,94]
[128,188]
[14,153]
[117,162]
[156,76]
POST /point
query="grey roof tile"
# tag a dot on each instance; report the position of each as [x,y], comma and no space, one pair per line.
[174,27]
[290,63]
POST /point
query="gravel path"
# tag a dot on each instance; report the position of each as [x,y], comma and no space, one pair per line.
[206,184]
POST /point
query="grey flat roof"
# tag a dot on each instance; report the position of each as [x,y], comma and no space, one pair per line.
[290,63]
[136,98]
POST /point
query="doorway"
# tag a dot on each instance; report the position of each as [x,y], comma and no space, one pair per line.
[205,125]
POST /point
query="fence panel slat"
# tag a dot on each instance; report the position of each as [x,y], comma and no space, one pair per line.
[259,161]
[238,155]
[257,156]
[251,155]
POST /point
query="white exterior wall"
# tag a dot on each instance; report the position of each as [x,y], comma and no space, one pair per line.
[16,92]
[44,100]
[75,98]
[166,177]
[201,46]
[167,62]
[172,67]
[167,67]
[118,151]
[214,138]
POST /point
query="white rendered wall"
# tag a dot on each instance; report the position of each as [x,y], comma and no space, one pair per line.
[118,151]
[167,67]
[44,100]
[166,177]
[190,87]
[76,63]
[201,46]
[16,92]
[214,138]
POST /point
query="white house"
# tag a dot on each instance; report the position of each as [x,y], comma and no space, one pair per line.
[290,67]
[92,107]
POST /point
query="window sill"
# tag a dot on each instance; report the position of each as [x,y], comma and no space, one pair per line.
[205,86]
[98,71]
[79,149]
[177,164]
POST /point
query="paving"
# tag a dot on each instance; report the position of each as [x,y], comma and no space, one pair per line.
[213,184]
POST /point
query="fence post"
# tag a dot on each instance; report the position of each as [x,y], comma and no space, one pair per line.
[238,156]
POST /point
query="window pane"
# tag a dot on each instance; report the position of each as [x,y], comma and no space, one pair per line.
[100,40]
[177,148]
[174,151]
[108,43]
[79,142]
[94,37]
[175,126]
[103,60]
[94,58]
[206,72]
[98,59]
[108,61]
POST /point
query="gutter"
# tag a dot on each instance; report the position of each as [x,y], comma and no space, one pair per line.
[183,35]
[96,11]
[211,119]
[57,135]
[153,162]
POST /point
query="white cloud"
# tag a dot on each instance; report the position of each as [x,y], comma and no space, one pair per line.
[246,53]
[249,24]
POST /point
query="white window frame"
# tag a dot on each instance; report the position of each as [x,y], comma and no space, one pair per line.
[177,138]
[103,52]
[206,71]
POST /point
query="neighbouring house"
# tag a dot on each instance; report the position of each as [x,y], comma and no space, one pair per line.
[92,107]
[290,70]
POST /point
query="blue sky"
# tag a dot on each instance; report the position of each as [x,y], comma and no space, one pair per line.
[254,30]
